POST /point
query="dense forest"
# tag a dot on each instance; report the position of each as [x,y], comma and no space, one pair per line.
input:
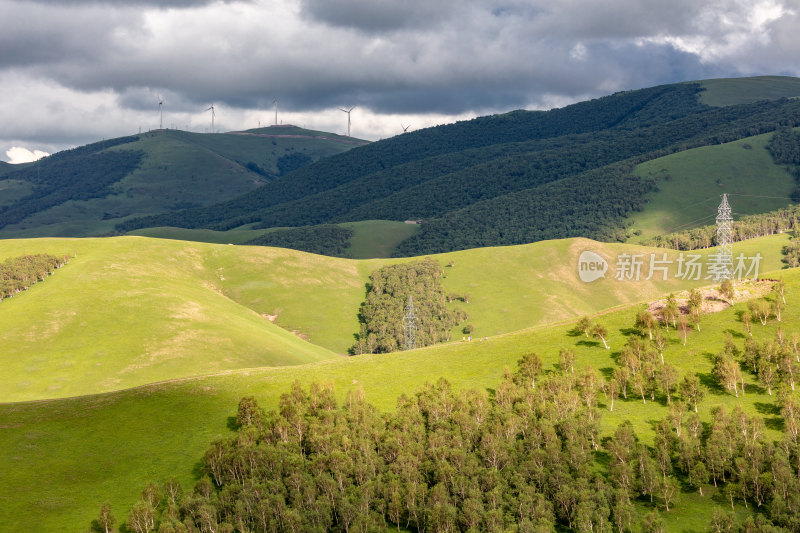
[526,456]
[453,177]
[19,273]
[78,174]
[325,239]
[388,292]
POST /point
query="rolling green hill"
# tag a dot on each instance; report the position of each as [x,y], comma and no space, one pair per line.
[65,457]
[733,91]
[690,183]
[73,193]
[129,310]
[510,178]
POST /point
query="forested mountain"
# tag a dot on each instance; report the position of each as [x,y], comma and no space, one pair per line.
[504,179]
[87,190]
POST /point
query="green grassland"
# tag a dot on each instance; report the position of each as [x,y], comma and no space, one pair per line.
[65,457]
[122,314]
[371,238]
[377,238]
[180,169]
[733,91]
[690,185]
[233,236]
[130,310]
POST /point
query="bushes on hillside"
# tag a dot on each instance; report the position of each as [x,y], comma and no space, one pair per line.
[19,273]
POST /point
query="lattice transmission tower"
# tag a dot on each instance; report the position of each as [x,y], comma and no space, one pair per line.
[410,323]
[724,240]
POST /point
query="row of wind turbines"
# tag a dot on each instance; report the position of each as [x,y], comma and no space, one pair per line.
[274,102]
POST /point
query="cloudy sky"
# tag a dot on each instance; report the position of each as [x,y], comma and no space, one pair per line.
[76,71]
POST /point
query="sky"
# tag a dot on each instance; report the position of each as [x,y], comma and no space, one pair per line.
[78,71]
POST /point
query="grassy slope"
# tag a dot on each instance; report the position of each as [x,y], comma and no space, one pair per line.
[129,311]
[377,238]
[181,169]
[691,183]
[67,456]
[234,236]
[371,238]
[732,91]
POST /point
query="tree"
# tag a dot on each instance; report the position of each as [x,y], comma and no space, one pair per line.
[612,389]
[668,488]
[691,390]
[726,290]
[684,327]
[599,331]
[747,317]
[779,288]
[660,342]
[668,380]
[698,475]
[645,322]
[653,523]
[583,326]
[761,309]
[621,376]
[722,521]
[767,374]
[105,521]
[695,299]
[566,357]
[530,366]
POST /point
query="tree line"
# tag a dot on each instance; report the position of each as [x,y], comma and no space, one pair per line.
[19,273]
[381,316]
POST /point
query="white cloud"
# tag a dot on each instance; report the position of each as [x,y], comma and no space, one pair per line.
[18,154]
[80,71]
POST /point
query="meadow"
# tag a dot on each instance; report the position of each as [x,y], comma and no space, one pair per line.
[690,186]
[67,456]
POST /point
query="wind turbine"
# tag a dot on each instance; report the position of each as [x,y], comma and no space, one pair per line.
[276,110]
[405,128]
[161,113]
[348,117]
[213,114]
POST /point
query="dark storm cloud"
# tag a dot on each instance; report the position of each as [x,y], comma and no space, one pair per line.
[105,65]
[380,15]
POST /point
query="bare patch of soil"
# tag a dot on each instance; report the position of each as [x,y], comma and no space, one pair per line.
[713,301]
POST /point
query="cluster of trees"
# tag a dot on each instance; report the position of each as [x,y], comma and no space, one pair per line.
[79,174]
[521,458]
[747,227]
[442,461]
[19,273]
[382,313]
[325,239]
[548,165]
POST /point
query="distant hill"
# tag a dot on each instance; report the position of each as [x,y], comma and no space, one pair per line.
[88,190]
[511,178]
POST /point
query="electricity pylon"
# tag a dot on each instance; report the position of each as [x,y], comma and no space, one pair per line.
[410,322]
[724,240]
